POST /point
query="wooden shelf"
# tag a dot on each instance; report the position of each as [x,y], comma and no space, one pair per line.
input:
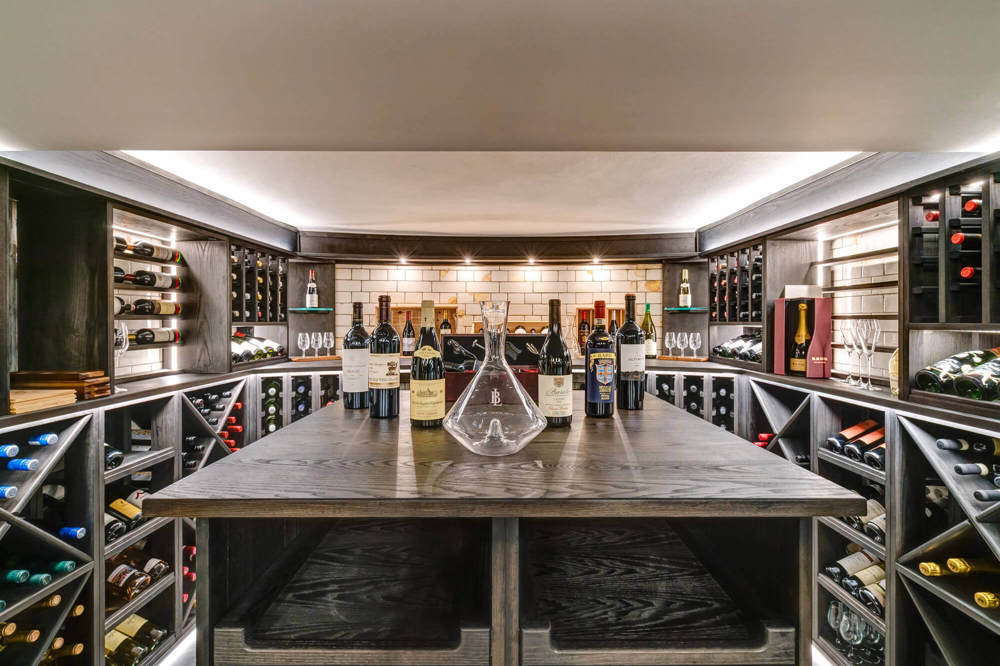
[125,286]
[310,310]
[851,534]
[134,535]
[957,592]
[143,317]
[149,260]
[115,617]
[138,460]
[851,465]
[886,284]
[155,345]
[845,597]
[21,600]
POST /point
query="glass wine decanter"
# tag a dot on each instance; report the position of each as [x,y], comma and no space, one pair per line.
[494,416]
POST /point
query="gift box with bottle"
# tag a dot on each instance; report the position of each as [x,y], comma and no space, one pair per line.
[463,353]
[802,335]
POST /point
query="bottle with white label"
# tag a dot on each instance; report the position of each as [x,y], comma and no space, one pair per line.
[409,338]
[383,365]
[684,291]
[649,330]
[555,373]
[850,565]
[426,373]
[312,291]
[354,377]
[630,348]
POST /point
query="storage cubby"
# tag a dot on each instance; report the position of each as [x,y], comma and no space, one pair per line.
[866,632]
[955,640]
[836,415]
[694,394]
[724,402]
[302,396]
[272,403]
[784,413]
[329,389]
[663,386]
[258,282]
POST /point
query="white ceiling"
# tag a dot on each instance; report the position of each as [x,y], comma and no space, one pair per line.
[492,193]
[733,75]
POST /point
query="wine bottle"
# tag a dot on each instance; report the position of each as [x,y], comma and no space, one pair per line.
[836,442]
[964,566]
[156,280]
[383,365]
[427,373]
[976,469]
[981,383]
[987,599]
[126,582]
[962,241]
[409,338]
[933,569]
[112,457]
[969,272]
[599,367]
[8,492]
[156,307]
[445,326]
[142,631]
[159,252]
[860,579]
[932,215]
[67,650]
[120,650]
[875,528]
[684,291]
[582,332]
[856,448]
[271,424]
[125,511]
[799,353]
[613,328]
[122,306]
[149,336]
[649,331]
[850,565]
[873,509]
[555,372]
[989,448]
[44,439]
[972,207]
[21,636]
[630,359]
[873,597]
[312,290]
[119,274]
[940,377]
[876,457]
[113,528]
[137,558]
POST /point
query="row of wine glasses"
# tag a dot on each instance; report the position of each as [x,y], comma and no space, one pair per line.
[860,338]
[856,639]
[316,340]
[674,340]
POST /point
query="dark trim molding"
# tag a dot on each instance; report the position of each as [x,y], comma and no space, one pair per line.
[125,182]
[875,179]
[514,249]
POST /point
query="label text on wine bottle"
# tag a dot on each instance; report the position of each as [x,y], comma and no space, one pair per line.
[426,399]
[555,395]
[355,372]
[600,376]
[383,371]
[633,363]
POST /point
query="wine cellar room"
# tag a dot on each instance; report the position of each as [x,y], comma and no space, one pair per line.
[477,334]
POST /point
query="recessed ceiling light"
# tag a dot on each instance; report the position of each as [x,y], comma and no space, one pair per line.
[597,260]
[468,260]
[402,260]
[531,260]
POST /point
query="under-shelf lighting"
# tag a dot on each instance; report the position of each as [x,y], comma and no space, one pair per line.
[874,227]
[132,232]
[402,260]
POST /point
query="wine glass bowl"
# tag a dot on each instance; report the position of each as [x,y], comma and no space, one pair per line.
[694,340]
[329,341]
[682,341]
[317,341]
[303,342]
[669,341]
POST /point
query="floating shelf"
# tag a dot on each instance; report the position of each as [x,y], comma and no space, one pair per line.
[150,317]
[126,286]
[132,536]
[137,461]
[682,310]
[310,310]
[155,345]
[844,462]
[890,253]
[115,617]
[125,256]
[851,534]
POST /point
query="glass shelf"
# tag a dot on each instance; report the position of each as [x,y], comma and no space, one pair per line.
[685,309]
[311,310]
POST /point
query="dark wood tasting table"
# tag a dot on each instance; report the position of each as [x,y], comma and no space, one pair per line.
[658,463]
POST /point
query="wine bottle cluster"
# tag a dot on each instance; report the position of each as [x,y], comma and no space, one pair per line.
[271,413]
[970,374]
[862,574]
[746,347]
[862,442]
[979,459]
[189,554]
[724,403]
[12,634]
[19,461]
[145,251]
[150,280]
[123,510]
[873,522]
[245,348]
[258,285]
[980,572]
[132,640]
[735,286]
[301,397]
[132,571]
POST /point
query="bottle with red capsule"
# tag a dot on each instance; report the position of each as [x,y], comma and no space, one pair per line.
[932,215]
[966,242]
[972,207]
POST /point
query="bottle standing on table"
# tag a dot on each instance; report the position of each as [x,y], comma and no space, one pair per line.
[613,328]
[354,377]
[684,291]
[799,354]
[630,357]
[383,365]
[427,373]
[599,367]
[555,373]
[312,290]
[409,339]
[649,331]
[445,326]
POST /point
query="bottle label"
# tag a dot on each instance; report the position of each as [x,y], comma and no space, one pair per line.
[409,344]
[856,562]
[131,625]
[153,563]
[113,639]
[354,377]
[426,399]
[870,575]
[797,364]
[600,376]
[427,352]
[120,575]
[633,360]
[555,395]
[136,497]
[383,371]
[130,511]
[877,521]
[650,347]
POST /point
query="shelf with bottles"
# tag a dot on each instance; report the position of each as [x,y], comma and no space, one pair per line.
[738,345]
[258,282]
[133,439]
[954,370]
[329,388]
[122,498]
[723,405]
[736,286]
[189,565]
[302,396]
[693,398]
[257,345]
[272,403]
[53,624]
[853,436]
[219,405]
[133,569]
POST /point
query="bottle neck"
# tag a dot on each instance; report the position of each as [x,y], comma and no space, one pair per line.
[358,315]
[555,319]
[629,310]
[383,313]
[802,333]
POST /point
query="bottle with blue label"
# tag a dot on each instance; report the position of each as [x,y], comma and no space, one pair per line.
[9,450]
[22,464]
[45,439]
[599,359]
[8,492]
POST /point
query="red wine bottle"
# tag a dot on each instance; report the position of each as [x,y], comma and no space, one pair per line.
[156,280]
[630,359]
[972,207]
[932,215]
[354,378]
[427,373]
[599,367]
[555,372]
[383,365]
[409,339]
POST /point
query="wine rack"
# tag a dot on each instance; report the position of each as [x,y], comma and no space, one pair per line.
[274,404]
[736,286]
[693,398]
[703,394]
[302,397]
[258,282]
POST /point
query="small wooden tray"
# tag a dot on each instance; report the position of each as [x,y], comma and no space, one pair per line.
[306,359]
[696,359]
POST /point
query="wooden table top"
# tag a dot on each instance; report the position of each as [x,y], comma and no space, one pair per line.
[660,461]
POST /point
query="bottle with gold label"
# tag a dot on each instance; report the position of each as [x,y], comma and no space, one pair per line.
[427,374]
[933,569]
[142,631]
[127,582]
[987,599]
[120,650]
[21,636]
[125,511]
[799,354]
[965,566]
[894,373]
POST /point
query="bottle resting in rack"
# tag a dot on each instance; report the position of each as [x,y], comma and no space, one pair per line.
[555,372]
[427,373]
[354,377]
[940,377]
[383,365]
[630,357]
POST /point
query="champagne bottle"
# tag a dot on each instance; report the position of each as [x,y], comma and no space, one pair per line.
[120,650]
[409,338]
[850,565]
[981,383]
[987,599]
[599,367]
[113,528]
[964,566]
[940,377]
[312,290]
[873,597]
[836,442]
[649,332]
[555,372]
[383,365]
[875,529]
[684,291]
[933,569]
[630,359]
[427,373]
[799,355]
[142,631]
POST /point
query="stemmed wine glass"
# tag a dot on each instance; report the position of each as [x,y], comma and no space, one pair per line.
[317,341]
[329,341]
[694,340]
[871,337]
[861,334]
[848,338]
[834,615]
[682,341]
[669,341]
[303,341]
[853,338]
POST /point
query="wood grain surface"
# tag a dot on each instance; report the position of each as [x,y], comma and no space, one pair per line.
[656,462]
